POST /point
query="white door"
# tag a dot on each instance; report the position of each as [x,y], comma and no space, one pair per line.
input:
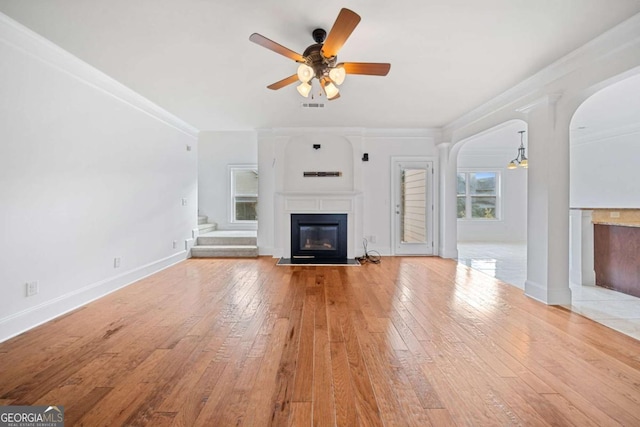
[413,207]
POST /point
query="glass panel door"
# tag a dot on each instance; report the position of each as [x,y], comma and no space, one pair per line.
[413,199]
[413,213]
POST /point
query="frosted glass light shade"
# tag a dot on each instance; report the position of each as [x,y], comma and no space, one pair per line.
[337,75]
[331,90]
[524,163]
[512,165]
[305,73]
[304,89]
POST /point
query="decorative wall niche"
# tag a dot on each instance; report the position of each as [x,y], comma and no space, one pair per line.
[300,156]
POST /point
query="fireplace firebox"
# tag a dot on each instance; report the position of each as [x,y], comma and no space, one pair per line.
[318,237]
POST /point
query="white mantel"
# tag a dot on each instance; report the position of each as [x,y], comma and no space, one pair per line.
[293,153]
[287,203]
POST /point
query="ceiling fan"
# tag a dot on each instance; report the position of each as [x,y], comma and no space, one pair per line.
[320,59]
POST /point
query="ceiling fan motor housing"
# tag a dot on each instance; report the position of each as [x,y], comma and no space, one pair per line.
[319,35]
[313,57]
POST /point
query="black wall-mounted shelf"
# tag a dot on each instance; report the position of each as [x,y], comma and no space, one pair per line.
[321,174]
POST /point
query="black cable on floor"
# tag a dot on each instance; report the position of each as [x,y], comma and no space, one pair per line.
[369,256]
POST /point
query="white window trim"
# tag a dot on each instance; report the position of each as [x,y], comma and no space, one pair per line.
[499,173]
[232,195]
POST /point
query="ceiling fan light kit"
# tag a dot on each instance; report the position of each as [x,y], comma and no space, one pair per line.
[320,59]
[329,88]
[304,89]
[305,73]
[337,74]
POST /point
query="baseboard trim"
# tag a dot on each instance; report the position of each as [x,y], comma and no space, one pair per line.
[448,254]
[559,296]
[583,279]
[25,320]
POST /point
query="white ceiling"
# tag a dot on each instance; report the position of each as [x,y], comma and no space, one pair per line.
[503,139]
[194,57]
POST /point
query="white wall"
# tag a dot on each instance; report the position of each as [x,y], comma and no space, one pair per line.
[377,181]
[218,150]
[493,151]
[334,155]
[604,172]
[89,171]
[605,148]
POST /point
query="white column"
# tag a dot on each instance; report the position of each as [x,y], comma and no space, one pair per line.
[582,271]
[448,217]
[548,203]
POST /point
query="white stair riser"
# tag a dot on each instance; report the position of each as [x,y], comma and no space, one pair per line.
[200,252]
[227,240]
[202,219]
[205,228]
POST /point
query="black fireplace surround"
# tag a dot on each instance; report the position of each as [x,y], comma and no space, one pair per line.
[318,238]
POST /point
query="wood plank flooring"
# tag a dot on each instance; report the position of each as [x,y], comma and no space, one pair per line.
[409,342]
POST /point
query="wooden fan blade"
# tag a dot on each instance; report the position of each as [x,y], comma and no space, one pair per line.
[284,82]
[277,48]
[366,68]
[346,22]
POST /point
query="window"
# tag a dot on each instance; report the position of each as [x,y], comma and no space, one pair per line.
[244,193]
[478,195]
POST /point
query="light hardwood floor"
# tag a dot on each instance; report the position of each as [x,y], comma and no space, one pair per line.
[412,341]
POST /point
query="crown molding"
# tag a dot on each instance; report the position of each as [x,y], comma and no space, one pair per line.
[295,131]
[19,37]
[368,133]
[616,39]
[488,152]
[603,134]
[550,99]
[410,133]
[495,129]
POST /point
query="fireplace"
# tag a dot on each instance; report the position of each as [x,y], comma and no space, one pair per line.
[318,238]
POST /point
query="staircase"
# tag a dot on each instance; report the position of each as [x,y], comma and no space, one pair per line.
[204,226]
[212,243]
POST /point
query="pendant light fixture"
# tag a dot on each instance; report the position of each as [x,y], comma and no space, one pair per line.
[520,160]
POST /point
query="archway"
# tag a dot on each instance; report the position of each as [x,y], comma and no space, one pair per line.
[605,130]
[492,203]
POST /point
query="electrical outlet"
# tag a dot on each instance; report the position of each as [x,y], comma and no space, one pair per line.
[184,202]
[614,214]
[175,244]
[32,288]
[116,262]
[372,239]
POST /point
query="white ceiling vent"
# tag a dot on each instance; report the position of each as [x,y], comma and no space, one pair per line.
[312,105]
